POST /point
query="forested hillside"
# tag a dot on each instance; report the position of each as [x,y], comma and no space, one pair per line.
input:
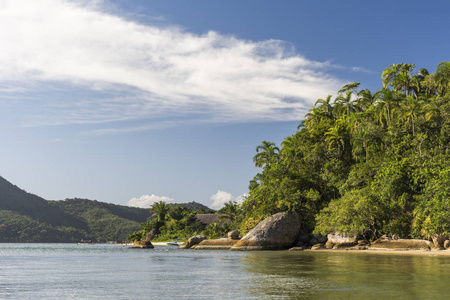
[365,162]
[25,217]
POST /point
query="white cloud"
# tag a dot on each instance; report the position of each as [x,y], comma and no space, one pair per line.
[361,69]
[146,201]
[221,197]
[140,72]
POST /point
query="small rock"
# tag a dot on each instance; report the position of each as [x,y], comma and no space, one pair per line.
[233,235]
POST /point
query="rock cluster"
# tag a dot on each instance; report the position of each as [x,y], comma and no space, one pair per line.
[143,244]
[282,231]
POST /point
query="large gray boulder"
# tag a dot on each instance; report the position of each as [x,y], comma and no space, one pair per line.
[279,231]
[192,241]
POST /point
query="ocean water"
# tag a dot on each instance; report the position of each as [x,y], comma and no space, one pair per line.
[69,271]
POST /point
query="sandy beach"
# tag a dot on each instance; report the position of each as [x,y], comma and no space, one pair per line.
[389,252]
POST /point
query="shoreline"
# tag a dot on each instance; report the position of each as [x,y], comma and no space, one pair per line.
[386,252]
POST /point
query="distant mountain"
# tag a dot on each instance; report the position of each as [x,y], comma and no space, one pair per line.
[195,206]
[25,217]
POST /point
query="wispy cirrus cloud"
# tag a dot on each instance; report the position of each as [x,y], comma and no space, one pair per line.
[107,68]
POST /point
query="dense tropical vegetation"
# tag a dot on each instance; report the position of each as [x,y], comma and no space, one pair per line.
[175,221]
[368,163]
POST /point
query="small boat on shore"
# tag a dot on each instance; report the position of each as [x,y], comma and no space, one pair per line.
[173,243]
[86,242]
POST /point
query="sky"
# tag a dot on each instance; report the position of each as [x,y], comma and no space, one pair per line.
[131,102]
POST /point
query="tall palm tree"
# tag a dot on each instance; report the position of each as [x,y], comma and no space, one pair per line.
[387,102]
[410,109]
[160,209]
[389,74]
[267,153]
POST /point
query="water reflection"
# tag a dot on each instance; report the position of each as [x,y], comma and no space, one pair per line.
[313,275]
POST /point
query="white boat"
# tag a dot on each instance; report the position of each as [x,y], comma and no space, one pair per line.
[173,243]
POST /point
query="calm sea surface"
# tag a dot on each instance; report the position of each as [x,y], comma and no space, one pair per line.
[68,271]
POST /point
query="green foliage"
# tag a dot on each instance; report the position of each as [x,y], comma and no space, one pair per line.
[178,223]
[367,163]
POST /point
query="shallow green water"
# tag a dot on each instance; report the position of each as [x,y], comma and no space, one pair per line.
[66,271]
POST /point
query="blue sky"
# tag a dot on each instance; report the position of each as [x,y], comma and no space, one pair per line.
[131,102]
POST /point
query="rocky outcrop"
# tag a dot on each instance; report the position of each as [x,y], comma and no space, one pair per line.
[279,231]
[192,241]
[217,244]
[401,244]
[142,244]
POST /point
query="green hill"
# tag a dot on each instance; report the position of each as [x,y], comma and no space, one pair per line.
[25,217]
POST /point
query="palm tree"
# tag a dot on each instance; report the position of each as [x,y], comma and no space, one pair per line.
[229,211]
[389,74]
[345,102]
[410,109]
[397,75]
[367,99]
[387,101]
[338,135]
[325,106]
[290,149]
[160,209]
[350,87]
[267,153]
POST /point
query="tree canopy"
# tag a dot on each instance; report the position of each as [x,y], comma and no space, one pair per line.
[368,163]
